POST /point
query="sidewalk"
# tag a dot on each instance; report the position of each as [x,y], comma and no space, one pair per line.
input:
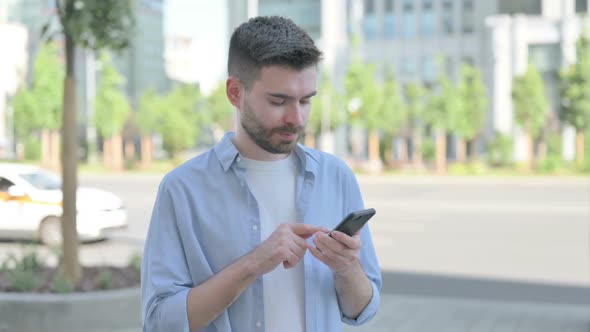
[413,302]
[405,313]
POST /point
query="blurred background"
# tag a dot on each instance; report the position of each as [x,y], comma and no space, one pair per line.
[466,121]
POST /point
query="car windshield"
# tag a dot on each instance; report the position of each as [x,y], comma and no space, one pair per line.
[42,180]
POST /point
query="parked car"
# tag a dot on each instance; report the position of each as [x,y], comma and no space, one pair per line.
[31,206]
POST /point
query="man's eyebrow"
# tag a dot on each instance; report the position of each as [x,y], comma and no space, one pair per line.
[287,97]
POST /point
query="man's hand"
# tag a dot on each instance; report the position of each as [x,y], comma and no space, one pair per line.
[340,252]
[285,245]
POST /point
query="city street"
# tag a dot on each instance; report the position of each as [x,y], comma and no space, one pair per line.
[444,244]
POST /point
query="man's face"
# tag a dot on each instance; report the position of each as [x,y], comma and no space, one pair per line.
[276,108]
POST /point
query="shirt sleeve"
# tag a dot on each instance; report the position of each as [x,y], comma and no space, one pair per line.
[165,278]
[367,255]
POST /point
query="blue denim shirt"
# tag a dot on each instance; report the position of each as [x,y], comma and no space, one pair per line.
[205,218]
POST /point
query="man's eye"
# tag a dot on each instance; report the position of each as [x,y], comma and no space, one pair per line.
[277,103]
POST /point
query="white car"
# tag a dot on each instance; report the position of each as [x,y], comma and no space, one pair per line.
[31,206]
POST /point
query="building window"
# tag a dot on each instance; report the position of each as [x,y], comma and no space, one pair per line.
[426,5]
[409,67]
[446,20]
[369,7]
[428,69]
[428,23]
[408,5]
[581,6]
[409,25]
[389,6]
[467,60]
[530,7]
[370,27]
[389,26]
[467,19]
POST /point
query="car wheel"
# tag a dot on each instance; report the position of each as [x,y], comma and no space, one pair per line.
[50,232]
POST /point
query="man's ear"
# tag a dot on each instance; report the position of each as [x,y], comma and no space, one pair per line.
[234,91]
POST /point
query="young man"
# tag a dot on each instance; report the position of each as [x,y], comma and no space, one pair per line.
[238,236]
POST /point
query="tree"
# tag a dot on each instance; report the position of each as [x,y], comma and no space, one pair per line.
[474,104]
[220,111]
[394,114]
[96,25]
[363,91]
[182,123]
[151,108]
[415,104]
[112,110]
[444,109]
[326,111]
[40,106]
[575,94]
[530,106]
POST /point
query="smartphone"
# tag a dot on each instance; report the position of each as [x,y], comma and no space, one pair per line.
[354,221]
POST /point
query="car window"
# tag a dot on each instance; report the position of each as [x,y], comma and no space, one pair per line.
[42,180]
[5,184]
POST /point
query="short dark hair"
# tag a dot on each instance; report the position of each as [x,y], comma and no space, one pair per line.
[269,40]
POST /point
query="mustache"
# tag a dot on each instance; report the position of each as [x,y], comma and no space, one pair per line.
[288,130]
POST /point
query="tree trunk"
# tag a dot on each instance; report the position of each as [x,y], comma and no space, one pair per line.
[531,151]
[417,148]
[403,151]
[55,154]
[72,270]
[130,150]
[117,150]
[309,140]
[374,146]
[441,152]
[471,149]
[580,147]
[46,148]
[107,153]
[461,150]
[146,150]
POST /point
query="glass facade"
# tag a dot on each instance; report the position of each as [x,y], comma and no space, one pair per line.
[428,68]
[428,23]
[467,19]
[370,30]
[530,7]
[447,22]
[305,13]
[389,26]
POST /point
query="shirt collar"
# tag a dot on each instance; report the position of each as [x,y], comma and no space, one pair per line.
[227,153]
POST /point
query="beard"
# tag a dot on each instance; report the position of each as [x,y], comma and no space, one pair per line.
[263,136]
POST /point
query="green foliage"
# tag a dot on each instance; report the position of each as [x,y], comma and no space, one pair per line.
[112,107]
[181,124]
[151,108]
[361,87]
[97,24]
[445,108]
[428,150]
[104,280]
[474,103]
[530,102]
[61,284]
[575,87]
[40,105]
[219,109]
[415,100]
[328,100]
[500,150]
[135,262]
[32,148]
[394,112]
[21,272]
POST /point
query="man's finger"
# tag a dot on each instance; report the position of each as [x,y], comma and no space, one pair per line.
[349,241]
[305,230]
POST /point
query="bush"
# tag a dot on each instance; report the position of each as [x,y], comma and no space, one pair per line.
[32,149]
[104,280]
[135,262]
[500,150]
[21,273]
[428,150]
[61,284]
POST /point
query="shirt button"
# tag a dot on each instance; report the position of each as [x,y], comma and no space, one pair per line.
[258,324]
